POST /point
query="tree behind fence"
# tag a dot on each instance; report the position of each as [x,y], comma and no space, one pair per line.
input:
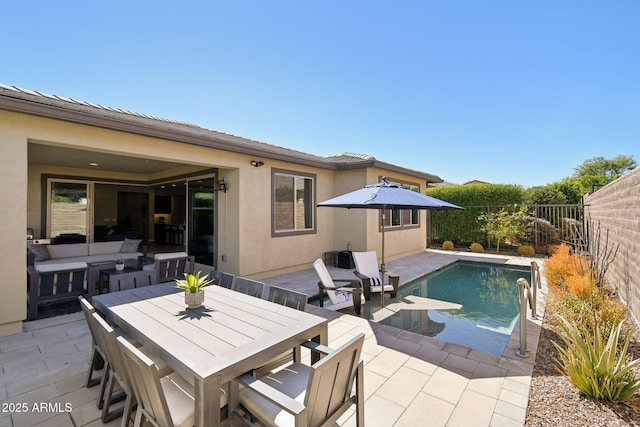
[553,224]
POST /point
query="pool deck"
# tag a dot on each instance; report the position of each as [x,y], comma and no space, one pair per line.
[410,379]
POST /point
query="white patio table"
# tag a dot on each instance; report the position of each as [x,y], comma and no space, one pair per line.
[226,337]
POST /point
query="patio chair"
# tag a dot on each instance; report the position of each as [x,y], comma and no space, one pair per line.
[54,283]
[115,373]
[368,272]
[98,358]
[164,400]
[339,296]
[288,297]
[222,279]
[302,395]
[292,299]
[248,286]
[171,266]
[134,279]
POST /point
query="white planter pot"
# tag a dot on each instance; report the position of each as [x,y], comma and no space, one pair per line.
[119,267]
[194,300]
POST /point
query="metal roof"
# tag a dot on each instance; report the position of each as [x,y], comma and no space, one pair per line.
[57,107]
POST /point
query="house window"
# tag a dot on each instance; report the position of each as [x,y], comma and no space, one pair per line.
[293,208]
[396,218]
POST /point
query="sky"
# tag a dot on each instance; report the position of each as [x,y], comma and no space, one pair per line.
[507,92]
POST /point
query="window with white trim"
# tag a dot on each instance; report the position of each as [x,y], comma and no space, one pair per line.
[401,218]
[293,203]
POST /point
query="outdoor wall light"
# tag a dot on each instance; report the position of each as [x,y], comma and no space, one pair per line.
[220,185]
[257,163]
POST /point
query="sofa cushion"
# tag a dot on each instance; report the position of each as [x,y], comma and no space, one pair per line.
[61,266]
[66,251]
[130,245]
[40,252]
[101,248]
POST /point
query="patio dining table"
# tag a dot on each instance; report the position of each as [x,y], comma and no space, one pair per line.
[229,335]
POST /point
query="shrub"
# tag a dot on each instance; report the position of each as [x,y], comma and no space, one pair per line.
[600,370]
[477,247]
[526,250]
[561,265]
[552,249]
[447,245]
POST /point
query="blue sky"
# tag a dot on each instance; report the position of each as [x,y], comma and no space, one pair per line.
[513,92]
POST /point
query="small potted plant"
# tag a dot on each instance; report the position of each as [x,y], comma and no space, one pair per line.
[119,264]
[192,285]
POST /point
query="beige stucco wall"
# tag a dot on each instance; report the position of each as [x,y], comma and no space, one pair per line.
[244,211]
[616,208]
[13,211]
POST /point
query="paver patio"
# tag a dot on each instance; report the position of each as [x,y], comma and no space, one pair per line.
[410,379]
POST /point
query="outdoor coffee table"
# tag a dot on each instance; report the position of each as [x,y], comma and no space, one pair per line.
[95,273]
[228,336]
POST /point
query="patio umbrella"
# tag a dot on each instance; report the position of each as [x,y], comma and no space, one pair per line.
[385,195]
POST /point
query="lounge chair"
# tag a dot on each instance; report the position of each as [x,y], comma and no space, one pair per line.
[301,395]
[368,272]
[339,296]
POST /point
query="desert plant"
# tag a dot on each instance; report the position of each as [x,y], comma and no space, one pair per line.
[447,245]
[526,250]
[477,247]
[599,370]
[192,283]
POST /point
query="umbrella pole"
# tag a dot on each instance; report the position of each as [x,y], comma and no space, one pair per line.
[382,266]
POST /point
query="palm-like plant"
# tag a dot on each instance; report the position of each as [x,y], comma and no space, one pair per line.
[192,283]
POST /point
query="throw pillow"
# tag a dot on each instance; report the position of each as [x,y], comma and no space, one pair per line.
[130,245]
[40,252]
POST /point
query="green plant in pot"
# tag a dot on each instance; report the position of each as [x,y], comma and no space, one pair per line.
[192,285]
[119,264]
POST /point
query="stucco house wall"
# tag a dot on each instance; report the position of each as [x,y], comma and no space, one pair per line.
[244,234]
[616,209]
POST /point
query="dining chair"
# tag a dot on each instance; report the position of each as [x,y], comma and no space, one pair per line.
[368,272]
[130,280]
[116,373]
[222,279]
[288,297]
[248,286]
[303,395]
[98,358]
[339,296]
[292,299]
[172,266]
[164,400]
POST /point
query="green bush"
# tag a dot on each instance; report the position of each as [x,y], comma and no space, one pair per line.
[462,226]
[599,370]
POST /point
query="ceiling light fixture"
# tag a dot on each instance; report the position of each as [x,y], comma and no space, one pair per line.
[93,164]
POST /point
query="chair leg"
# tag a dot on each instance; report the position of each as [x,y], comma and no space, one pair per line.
[96,363]
[110,399]
[360,395]
[103,384]
[129,405]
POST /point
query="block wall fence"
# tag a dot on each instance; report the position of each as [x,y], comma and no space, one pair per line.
[616,207]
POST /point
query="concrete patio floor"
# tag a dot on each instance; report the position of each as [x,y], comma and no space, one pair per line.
[410,379]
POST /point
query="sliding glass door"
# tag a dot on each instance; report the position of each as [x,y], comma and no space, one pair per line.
[201,220]
[68,216]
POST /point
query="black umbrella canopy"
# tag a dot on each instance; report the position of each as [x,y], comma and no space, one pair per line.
[385,195]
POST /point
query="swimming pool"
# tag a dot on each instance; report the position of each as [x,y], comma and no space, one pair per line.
[488,294]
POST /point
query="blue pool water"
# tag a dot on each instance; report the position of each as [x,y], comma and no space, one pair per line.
[488,294]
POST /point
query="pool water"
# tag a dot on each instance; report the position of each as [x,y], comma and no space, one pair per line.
[488,294]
